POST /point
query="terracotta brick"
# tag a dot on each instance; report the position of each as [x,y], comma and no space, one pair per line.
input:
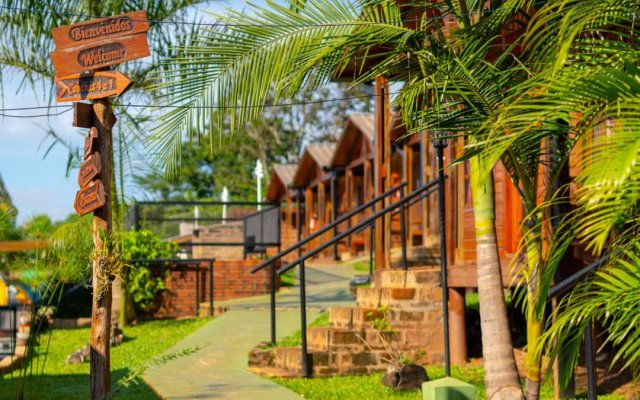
[402,293]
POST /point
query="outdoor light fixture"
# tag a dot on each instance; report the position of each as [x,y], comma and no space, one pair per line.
[8,330]
[439,139]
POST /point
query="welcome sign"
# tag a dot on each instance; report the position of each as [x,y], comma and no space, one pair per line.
[100,43]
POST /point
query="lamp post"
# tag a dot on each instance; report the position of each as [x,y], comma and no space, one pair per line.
[440,142]
[225,199]
[196,223]
[259,174]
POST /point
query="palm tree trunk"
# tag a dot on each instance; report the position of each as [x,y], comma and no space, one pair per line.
[535,319]
[501,373]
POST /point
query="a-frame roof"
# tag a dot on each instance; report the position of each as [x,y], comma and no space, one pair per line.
[315,155]
[357,125]
[281,178]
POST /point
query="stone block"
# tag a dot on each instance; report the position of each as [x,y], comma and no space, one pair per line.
[363,359]
[448,389]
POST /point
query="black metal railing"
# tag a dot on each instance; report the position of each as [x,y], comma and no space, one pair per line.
[271,262]
[260,229]
[564,286]
[398,206]
[343,218]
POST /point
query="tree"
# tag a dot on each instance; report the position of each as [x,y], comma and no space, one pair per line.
[586,80]
[289,49]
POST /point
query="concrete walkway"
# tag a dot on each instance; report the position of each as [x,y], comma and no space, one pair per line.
[218,369]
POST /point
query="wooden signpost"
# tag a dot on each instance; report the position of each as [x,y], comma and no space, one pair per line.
[80,49]
[95,85]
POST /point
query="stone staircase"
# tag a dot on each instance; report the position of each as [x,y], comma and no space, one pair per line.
[410,301]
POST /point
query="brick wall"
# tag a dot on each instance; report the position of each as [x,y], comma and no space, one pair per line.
[230,232]
[232,279]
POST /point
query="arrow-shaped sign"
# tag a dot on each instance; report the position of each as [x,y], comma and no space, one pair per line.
[89,86]
[90,198]
[89,169]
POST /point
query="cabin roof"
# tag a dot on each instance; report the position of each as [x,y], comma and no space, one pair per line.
[318,154]
[281,179]
[356,125]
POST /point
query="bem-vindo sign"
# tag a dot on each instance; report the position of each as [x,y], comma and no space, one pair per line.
[100,43]
[100,29]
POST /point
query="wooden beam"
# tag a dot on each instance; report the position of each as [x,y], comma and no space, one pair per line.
[21,245]
[382,168]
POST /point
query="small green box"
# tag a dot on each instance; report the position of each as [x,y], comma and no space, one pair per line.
[448,389]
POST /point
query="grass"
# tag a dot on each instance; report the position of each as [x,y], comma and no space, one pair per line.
[287,279]
[57,380]
[369,386]
[361,266]
[295,339]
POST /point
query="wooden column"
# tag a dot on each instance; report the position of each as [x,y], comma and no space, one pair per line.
[457,326]
[348,187]
[382,169]
[308,203]
[100,374]
[367,192]
[407,176]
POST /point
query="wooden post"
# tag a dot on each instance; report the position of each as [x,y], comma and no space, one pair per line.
[457,326]
[382,168]
[102,227]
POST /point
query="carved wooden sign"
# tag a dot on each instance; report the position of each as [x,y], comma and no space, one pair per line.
[90,198]
[89,142]
[94,85]
[100,29]
[101,54]
[89,169]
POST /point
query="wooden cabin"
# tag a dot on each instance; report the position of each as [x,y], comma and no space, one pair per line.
[281,191]
[353,163]
[315,177]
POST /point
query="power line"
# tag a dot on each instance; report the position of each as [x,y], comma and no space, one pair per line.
[158,106]
[221,24]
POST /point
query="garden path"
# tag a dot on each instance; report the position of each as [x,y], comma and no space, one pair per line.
[218,369]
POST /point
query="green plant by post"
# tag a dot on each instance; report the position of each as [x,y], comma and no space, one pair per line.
[143,286]
[387,336]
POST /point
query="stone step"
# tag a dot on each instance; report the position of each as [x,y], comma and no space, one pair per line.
[417,256]
[325,338]
[411,278]
[288,360]
[351,317]
[421,298]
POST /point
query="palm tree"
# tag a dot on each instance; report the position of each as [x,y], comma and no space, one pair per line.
[278,49]
[585,64]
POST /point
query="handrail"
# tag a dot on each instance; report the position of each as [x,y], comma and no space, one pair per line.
[573,279]
[363,224]
[590,360]
[327,228]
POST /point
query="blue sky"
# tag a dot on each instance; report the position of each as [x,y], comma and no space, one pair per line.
[36,184]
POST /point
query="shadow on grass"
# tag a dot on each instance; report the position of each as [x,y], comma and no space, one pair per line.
[73,386]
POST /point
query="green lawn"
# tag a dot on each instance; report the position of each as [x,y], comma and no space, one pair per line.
[62,381]
[369,387]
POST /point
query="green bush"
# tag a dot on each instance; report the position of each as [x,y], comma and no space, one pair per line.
[143,286]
